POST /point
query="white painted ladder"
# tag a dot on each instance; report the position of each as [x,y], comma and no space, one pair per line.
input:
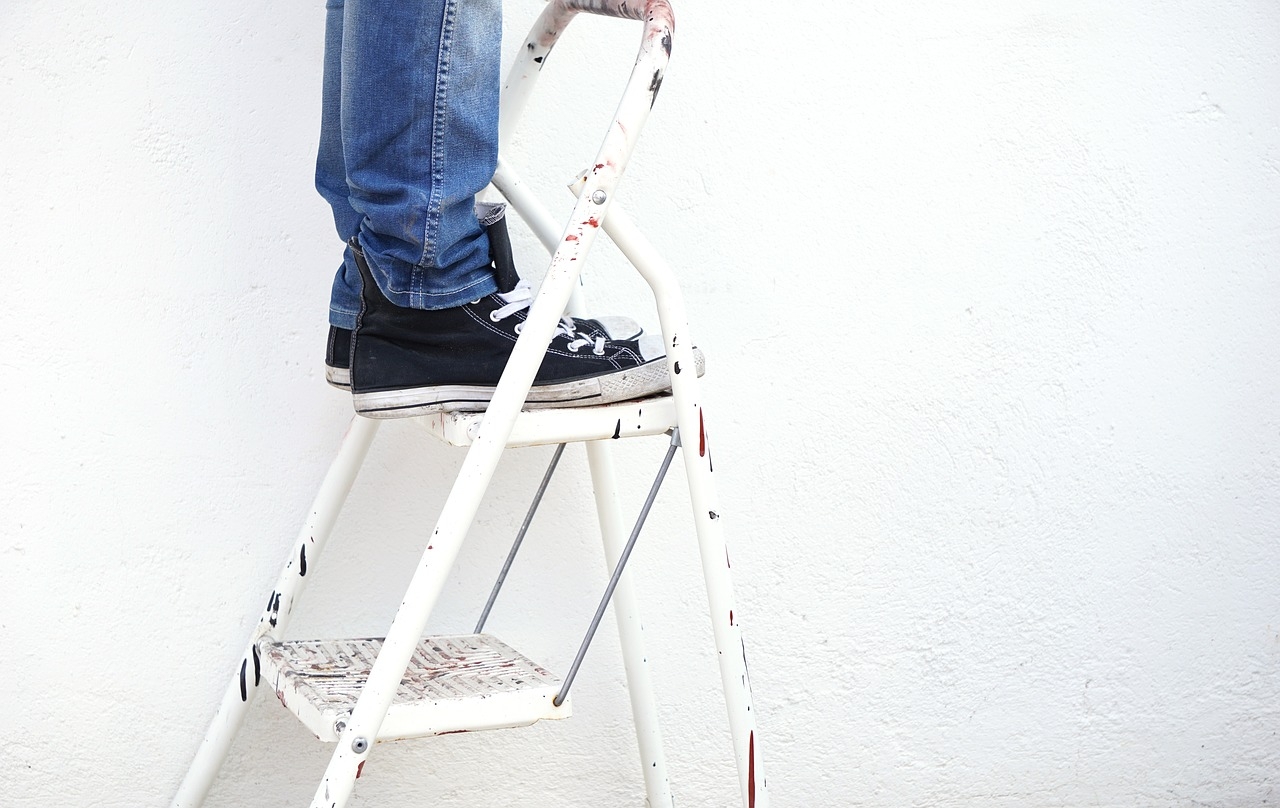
[356,692]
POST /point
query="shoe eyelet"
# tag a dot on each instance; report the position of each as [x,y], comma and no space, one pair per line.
[573,348]
[493,317]
[599,352]
[519,327]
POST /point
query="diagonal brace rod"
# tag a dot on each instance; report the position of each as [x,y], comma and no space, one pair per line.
[515,548]
[617,570]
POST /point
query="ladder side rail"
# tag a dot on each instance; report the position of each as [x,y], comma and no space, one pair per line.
[516,93]
[477,470]
[517,192]
[522,78]
[713,548]
[592,206]
[245,680]
[534,214]
[625,9]
[626,608]
[518,88]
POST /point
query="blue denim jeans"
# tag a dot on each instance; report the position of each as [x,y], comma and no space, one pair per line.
[408,137]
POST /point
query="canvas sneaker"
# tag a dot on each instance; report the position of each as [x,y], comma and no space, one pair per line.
[406,362]
[337,354]
[492,217]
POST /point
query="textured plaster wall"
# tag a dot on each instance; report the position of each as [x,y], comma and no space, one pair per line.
[990,294]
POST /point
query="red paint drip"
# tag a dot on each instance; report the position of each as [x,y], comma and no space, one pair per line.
[751,771]
[593,221]
[731,617]
[570,238]
[702,436]
[360,769]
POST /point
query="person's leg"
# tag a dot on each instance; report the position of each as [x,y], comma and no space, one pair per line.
[416,140]
[419,127]
[331,182]
[408,361]
[408,137]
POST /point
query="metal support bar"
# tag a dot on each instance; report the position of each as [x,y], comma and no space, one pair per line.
[626,613]
[730,647]
[515,547]
[617,570]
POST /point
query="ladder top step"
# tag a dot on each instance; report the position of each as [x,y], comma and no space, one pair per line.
[626,419]
[454,683]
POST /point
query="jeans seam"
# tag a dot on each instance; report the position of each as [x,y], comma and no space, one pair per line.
[438,124]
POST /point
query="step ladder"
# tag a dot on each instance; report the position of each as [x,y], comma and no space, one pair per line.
[357,692]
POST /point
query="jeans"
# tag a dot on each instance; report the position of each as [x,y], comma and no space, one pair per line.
[408,137]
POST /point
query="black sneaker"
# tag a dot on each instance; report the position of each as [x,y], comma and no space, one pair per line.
[412,362]
[337,354]
[337,357]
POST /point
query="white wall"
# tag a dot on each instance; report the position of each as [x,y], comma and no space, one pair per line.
[990,297]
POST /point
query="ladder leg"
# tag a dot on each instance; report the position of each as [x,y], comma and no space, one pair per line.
[306,550]
[730,648]
[630,630]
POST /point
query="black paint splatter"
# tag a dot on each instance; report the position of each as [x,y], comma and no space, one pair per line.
[654,85]
[677,368]
[617,430]
[257,667]
[244,688]
[302,561]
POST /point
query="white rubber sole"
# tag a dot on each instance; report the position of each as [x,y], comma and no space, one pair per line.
[648,379]
[338,377]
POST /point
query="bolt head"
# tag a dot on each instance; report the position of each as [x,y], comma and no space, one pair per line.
[599,197]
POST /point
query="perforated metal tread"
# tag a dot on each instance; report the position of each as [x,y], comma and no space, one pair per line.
[453,684]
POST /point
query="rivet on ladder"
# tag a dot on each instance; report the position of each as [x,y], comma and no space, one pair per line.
[599,197]
[359,745]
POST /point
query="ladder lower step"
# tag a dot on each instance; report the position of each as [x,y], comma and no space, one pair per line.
[454,683]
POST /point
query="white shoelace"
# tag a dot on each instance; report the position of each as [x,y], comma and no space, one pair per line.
[521,297]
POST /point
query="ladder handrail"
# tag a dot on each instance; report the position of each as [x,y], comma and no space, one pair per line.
[629,9]
[650,65]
